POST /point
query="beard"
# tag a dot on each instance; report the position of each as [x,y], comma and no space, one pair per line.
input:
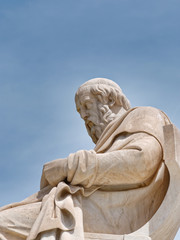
[93,127]
[97,122]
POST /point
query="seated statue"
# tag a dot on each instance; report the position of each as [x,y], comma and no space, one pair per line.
[114,189]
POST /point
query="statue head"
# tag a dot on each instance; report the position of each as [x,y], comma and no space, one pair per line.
[99,101]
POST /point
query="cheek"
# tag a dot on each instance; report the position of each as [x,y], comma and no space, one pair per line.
[94,119]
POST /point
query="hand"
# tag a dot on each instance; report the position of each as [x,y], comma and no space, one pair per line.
[54,172]
[43,183]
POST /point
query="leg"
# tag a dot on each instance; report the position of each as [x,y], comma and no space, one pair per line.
[15,223]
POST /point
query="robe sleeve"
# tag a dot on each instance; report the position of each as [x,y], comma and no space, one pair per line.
[54,172]
[131,160]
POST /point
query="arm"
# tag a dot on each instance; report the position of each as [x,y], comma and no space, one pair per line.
[134,163]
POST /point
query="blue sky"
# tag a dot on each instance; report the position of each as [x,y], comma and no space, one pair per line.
[49,48]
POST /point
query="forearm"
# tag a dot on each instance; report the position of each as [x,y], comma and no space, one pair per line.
[124,167]
[133,164]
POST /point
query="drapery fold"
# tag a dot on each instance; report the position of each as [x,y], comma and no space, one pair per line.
[61,209]
[61,212]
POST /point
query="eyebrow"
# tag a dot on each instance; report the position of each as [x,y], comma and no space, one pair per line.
[85,99]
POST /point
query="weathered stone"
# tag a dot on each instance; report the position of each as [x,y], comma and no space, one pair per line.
[127,188]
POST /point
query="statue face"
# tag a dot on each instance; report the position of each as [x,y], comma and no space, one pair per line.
[88,107]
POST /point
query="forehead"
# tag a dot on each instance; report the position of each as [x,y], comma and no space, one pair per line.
[84,96]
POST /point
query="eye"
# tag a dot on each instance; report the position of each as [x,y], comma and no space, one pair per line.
[88,105]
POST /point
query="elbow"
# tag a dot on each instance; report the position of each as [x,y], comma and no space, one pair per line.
[148,163]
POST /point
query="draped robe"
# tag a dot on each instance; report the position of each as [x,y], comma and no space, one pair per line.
[114,189]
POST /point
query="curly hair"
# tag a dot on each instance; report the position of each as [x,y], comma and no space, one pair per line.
[106,91]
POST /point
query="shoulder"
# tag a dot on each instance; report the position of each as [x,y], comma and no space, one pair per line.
[145,119]
[147,110]
[148,113]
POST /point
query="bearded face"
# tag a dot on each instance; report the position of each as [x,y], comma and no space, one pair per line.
[95,114]
[94,124]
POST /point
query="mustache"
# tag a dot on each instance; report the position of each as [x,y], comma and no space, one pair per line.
[92,120]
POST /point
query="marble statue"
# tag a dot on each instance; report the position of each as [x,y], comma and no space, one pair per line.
[126,188]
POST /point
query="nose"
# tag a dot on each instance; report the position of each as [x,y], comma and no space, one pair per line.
[84,114]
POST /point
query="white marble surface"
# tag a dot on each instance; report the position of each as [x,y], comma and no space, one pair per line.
[125,177]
